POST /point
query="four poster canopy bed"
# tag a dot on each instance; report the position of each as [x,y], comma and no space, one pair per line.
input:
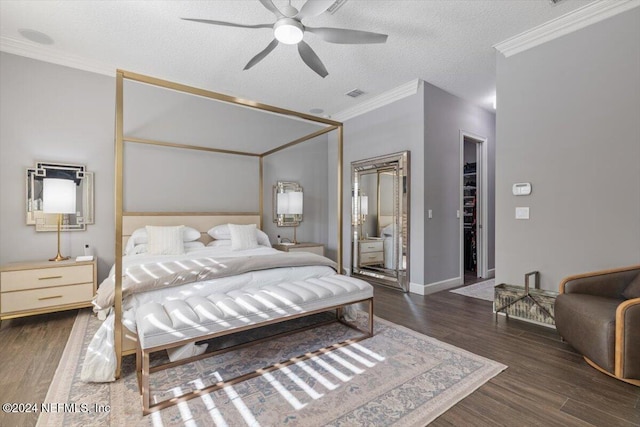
[183,278]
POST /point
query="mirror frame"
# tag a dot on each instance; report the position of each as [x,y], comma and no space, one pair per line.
[49,222]
[397,277]
[285,220]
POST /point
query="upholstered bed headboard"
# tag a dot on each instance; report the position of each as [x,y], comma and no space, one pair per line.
[200,221]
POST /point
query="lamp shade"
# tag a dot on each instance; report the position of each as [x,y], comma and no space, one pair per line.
[59,196]
[295,203]
[364,205]
[282,203]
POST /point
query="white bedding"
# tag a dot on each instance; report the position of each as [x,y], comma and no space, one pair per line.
[102,347]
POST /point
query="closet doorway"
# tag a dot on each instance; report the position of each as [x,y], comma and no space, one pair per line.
[472,207]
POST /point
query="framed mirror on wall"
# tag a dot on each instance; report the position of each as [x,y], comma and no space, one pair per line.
[287,205]
[380,219]
[83,180]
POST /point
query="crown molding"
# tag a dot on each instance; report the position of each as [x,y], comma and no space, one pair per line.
[402,91]
[565,24]
[46,54]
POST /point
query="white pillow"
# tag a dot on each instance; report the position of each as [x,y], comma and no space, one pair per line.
[221,232]
[131,244]
[219,243]
[165,240]
[140,236]
[243,237]
[190,234]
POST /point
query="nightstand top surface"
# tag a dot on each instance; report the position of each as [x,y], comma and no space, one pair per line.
[27,265]
[299,245]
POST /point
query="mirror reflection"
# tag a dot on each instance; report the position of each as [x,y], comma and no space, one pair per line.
[34,196]
[380,219]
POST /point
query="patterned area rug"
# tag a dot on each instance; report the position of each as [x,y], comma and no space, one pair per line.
[398,377]
[482,290]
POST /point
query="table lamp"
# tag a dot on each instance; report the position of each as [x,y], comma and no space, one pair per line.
[59,197]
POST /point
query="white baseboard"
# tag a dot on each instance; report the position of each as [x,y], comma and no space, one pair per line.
[432,288]
[491,273]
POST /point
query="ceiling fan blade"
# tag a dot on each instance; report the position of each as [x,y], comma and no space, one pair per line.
[344,36]
[314,8]
[260,56]
[311,59]
[272,7]
[228,24]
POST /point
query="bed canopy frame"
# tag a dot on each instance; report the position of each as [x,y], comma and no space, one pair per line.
[120,139]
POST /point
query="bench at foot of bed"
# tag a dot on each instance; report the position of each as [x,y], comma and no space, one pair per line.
[183,321]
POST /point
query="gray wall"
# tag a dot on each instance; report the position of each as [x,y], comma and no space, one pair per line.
[428,124]
[54,113]
[306,164]
[389,129]
[569,123]
[445,117]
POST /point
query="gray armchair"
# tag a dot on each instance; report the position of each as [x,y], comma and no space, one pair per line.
[599,315]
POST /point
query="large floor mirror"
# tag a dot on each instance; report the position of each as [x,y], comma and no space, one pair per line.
[380,219]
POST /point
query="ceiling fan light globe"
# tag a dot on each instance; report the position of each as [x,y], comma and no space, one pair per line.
[288,31]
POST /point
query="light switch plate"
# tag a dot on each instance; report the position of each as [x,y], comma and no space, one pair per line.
[522,213]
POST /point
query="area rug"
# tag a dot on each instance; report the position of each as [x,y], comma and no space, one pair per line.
[482,290]
[398,377]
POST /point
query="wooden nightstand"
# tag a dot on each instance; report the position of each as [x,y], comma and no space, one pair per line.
[38,287]
[316,248]
[370,252]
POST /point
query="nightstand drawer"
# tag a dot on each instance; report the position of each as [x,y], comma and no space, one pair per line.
[314,248]
[371,247]
[45,277]
[318,250]
[371,258]
[45,297]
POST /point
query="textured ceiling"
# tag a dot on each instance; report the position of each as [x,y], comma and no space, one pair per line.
[447,43]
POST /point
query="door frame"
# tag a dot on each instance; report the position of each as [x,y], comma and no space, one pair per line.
[482,207]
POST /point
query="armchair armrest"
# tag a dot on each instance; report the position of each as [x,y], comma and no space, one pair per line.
[627,352]
[607,283]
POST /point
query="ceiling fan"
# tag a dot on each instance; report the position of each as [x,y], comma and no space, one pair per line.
[288,29]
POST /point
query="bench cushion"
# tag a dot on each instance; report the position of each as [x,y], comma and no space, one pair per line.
[196,316]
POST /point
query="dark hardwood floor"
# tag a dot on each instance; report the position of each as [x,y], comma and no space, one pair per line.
[546,383]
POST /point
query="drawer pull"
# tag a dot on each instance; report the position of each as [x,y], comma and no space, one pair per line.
[53,297]
[49,277]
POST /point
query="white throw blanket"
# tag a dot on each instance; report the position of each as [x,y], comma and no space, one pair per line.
[100,360]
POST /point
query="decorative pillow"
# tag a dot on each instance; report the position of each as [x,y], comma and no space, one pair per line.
[633,289]
[219,243]
[140,236]
[243,237]
[165,240]
[221,232]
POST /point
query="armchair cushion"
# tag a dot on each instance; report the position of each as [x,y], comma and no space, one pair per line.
[633,289]
[588,323]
